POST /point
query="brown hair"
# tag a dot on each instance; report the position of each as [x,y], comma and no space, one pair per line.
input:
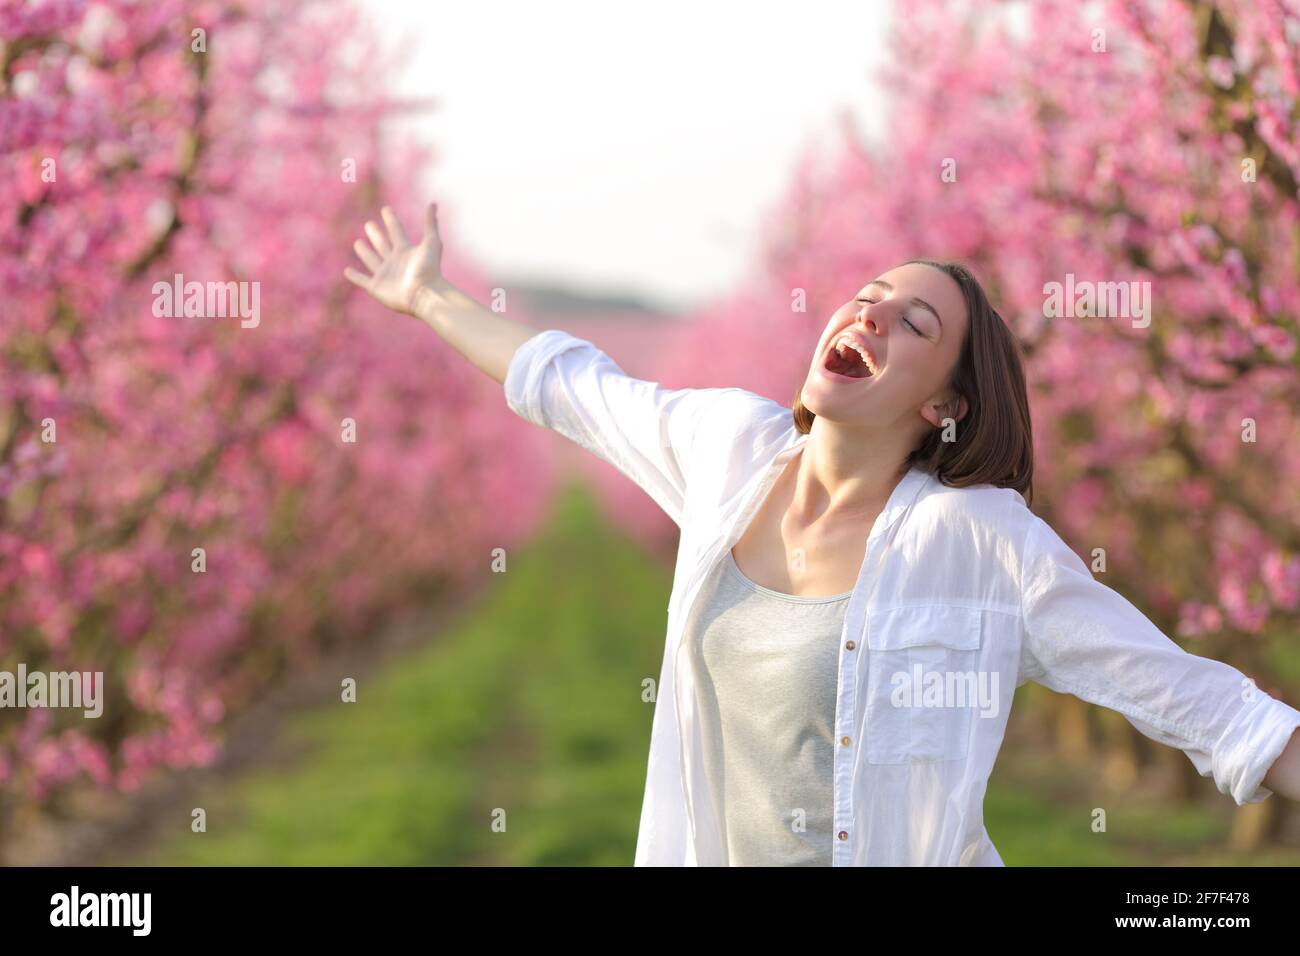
[995,440]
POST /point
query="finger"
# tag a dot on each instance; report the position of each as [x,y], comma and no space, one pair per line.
[357,278]
[367,255]
[395,229]
[431,221]
[377,239]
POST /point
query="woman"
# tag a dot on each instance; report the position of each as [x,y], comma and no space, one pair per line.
[860,585]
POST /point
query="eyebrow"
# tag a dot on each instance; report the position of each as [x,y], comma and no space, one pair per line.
[915,301]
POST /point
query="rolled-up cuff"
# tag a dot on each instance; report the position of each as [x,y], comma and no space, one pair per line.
[1252,743]
[523,382]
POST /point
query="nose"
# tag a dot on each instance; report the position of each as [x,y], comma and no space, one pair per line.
[868,321]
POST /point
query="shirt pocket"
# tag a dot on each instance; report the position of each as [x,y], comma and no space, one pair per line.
[907,720]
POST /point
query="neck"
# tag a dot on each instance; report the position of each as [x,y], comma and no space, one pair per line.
[848,470]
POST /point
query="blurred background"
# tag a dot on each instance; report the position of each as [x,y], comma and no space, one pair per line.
[233,521]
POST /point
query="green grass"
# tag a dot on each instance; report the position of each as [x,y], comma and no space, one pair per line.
[531,705]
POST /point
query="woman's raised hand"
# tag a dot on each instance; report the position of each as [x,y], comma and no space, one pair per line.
[398,269]
[409,279]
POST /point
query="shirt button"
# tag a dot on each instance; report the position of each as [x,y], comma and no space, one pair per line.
[843,834]
[850,645]
[844,741]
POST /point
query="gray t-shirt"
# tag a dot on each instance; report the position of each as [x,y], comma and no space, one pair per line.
[768,664]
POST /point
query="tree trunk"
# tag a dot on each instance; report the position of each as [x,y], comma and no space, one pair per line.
[1122,758]
[1073,742]
[1252,826]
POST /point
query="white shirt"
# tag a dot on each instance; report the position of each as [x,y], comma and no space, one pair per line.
[966,587]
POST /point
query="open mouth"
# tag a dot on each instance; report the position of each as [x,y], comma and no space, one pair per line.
[845,359]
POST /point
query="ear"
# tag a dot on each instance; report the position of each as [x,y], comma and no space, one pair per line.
[936,410]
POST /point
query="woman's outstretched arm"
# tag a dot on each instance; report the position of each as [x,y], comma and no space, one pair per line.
[549,377]
[407,277]
[1085,639]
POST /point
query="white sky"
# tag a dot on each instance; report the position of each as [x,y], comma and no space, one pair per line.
[620,146]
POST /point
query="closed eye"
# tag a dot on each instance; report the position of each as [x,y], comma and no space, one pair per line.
[905,322]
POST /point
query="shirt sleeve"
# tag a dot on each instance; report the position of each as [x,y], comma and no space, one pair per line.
[1085,639]
[567,384]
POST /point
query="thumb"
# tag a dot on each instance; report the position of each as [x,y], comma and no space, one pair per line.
[431,221]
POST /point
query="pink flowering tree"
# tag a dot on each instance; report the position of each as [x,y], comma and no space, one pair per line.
[193,501]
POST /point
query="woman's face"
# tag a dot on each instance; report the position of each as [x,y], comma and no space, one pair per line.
[910,322]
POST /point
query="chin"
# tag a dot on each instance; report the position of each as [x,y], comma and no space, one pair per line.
[820,404]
